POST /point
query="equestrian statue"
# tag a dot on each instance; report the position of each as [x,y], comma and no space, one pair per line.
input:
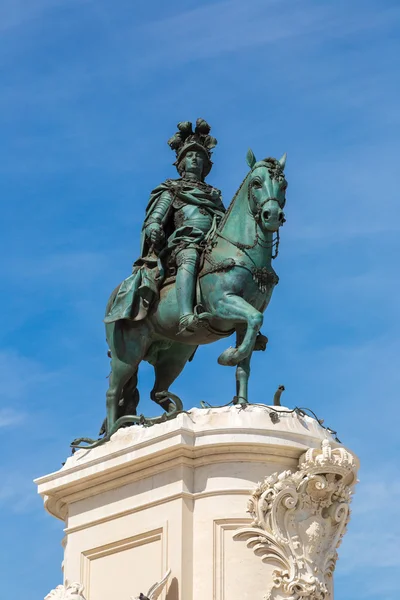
[203,273]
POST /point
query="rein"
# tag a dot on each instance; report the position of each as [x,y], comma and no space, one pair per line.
[274,243]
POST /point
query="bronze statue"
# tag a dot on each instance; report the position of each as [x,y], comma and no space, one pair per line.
[203,274]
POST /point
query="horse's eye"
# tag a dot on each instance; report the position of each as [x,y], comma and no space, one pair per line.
[257,183]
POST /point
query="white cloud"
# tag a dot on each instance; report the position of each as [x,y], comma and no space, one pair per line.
[10,417]
[68,266]
[18,13]
[20,376]
[198,33]
[64,270]
[383,586]
[373,537]
[17,492]
[378,495]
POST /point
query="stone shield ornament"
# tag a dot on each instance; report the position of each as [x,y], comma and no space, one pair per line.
[299,521]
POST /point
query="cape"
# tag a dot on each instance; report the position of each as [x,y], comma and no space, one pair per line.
[140,286]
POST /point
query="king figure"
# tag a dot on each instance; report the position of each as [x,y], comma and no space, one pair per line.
[179,216]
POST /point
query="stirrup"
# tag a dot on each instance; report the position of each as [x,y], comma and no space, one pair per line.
[201,314]
[192,321]
[187,324]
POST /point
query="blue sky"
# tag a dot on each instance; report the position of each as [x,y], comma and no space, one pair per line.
[91,91]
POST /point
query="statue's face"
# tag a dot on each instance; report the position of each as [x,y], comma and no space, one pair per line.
[194,162]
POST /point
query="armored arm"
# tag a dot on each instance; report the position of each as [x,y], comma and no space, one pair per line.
[154,222]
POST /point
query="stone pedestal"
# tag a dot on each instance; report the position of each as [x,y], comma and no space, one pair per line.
[175,496]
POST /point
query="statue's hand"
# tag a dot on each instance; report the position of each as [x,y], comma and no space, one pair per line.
[155,233]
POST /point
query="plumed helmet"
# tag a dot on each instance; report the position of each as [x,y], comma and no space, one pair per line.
[186,139]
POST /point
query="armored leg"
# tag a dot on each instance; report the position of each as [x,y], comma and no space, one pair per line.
[187,261]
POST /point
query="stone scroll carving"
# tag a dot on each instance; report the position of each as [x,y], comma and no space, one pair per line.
[73,591]
[155,590]
[299,521]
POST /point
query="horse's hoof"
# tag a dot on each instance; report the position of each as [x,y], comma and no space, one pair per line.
[229,357]
[240,401]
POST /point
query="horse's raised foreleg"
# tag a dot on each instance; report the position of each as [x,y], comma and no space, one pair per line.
[235,308]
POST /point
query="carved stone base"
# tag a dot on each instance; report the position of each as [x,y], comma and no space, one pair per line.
[174,497]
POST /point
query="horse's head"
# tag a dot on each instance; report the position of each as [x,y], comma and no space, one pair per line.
[267,191]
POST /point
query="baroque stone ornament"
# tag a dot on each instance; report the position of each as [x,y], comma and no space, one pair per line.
[299,521]
[155,590]
[72,591]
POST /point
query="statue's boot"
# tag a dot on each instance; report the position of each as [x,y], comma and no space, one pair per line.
[187,262]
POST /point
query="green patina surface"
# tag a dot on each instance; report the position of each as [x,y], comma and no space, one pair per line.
[203,273]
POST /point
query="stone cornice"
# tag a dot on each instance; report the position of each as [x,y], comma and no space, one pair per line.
[202,437]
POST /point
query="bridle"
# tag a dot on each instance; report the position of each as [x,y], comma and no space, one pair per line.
[256,214]
[274,244]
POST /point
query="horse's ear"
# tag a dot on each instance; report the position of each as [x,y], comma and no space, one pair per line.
[282,161]
[251,159]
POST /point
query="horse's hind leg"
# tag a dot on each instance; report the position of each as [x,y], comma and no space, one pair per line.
[128,402]
[130,396]
[128,345]
[168,365]
[121,373]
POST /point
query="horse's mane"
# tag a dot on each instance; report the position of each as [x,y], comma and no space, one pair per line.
[271,164]
[232,204]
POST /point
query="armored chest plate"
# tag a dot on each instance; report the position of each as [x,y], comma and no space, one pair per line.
[192,215]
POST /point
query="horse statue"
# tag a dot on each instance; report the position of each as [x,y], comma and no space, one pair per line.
[234,287]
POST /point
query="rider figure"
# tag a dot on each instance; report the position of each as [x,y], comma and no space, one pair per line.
[178,217]
[188,206]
